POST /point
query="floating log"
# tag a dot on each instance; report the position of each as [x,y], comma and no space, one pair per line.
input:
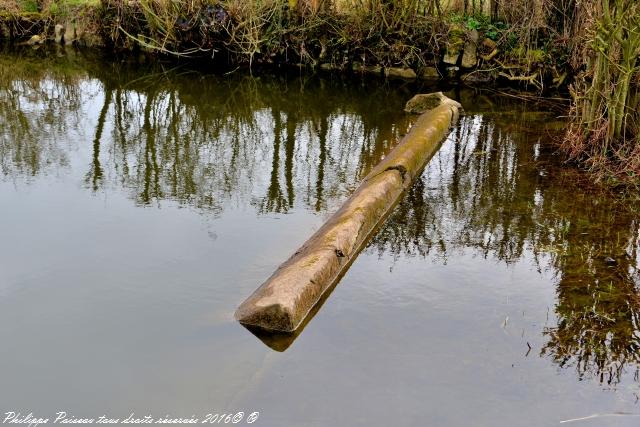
[287,297]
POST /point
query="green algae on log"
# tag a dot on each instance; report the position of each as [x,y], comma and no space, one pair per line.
[287,297]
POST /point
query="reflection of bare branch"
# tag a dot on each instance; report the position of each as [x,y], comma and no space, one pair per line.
[322,142]
[275,201]
[94,176]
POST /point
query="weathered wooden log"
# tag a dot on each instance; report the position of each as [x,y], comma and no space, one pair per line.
[287,297]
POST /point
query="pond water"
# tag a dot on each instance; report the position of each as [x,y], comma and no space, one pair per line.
[140,204]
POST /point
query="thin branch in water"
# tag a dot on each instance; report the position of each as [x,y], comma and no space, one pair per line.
[590,417]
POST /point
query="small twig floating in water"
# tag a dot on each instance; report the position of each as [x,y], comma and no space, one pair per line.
[590,417]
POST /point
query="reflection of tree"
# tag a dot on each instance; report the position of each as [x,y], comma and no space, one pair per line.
[31,110]
[598,331]
[275,201]
[94,177]
[195,139]
[150,187]
[322,146]
[495,188]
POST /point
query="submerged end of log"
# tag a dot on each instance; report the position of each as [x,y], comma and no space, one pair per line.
[287,297]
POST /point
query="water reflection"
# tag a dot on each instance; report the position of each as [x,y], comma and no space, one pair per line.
[497,188]
[281,143]
[197,139]
[31,106]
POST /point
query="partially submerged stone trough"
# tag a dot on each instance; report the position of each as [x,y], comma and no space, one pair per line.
[287,297]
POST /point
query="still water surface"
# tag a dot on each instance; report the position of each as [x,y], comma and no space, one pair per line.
[140,204]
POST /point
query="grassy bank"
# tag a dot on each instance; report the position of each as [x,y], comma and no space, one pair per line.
[409,38]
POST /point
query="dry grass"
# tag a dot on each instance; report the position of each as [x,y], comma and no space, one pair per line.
[10,6]
[273,30]
[605,135]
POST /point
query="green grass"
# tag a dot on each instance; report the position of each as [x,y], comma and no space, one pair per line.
[66,7]
[29,6]
[47,7]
